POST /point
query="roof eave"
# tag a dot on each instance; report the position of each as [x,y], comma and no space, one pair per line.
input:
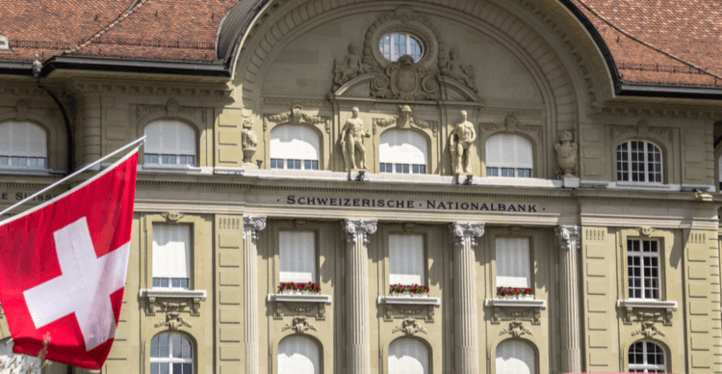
[670,91]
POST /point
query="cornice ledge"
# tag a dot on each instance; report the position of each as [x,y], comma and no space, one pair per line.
[519,303]
[214,92]
[647,304]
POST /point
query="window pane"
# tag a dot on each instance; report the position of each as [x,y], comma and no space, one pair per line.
[314,165]
[3,161]
[164,368]
[171,159]
[307,164]
[154,368]
[153,159]
[164,282]
[406,169]
[187,368]
[191,160]
[184,283]
[176,282]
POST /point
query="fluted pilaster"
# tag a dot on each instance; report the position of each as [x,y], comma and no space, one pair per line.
[357,311]
[251,227]
[570,307]
[465,303]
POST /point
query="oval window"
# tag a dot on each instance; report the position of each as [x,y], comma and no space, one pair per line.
[395,45]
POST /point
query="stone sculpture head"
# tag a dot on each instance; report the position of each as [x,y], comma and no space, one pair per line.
[354,110]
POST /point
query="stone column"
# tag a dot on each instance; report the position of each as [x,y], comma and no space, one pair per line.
[251,227]
[465,298]
[357,295]
[570,306]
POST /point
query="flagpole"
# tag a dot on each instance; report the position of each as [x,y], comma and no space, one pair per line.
[139,140]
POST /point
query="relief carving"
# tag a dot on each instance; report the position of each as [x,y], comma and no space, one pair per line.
[349,68]
[405,120]
[511,124]
[648,330]
[516,329]
[317,310]
[405,311]
[405,80]
[299,325]
[461,139]
[455,69]
[173,216]
[409,327]
[296,117]
[566,154]
[173,321]
[352,142]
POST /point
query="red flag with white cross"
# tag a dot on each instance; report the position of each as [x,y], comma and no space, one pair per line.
[63,266]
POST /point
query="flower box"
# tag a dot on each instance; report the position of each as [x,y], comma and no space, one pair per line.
[414,290]
[514,293]
[291,288]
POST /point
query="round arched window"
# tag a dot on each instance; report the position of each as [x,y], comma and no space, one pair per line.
[398,44]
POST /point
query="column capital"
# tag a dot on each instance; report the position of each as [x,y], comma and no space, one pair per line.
[567,235]
[255,224]
[462,231]
[356,227]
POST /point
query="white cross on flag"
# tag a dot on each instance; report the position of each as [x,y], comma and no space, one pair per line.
[63,266]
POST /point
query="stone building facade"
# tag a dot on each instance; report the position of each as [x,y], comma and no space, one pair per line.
[466,146]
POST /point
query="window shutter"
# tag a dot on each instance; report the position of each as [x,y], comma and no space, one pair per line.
[508,150]
[295,142]
[513,268]
[515,357]
[403,147]
[23,139]
[298,355]
[297,253]
[170,137]
[171,251]
[407,263]
[408,356]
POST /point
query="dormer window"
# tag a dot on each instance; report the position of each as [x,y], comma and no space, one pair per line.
[639,161]
[4,43]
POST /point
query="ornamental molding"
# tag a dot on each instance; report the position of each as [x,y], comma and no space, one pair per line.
[568,236]
[170,109]
[648,330]
[253,224]
[405,120]
[645,231]
[515,310]
[359,228]
[662,112]
[463,232]
[296,116]
[173,321]
[516,329]
[173,301]
[511,125]
[405,80]
[291,101]
[641,130]
[299,325]
[409,327]
[172,216]
[648,311]
[135,89]
[299,305]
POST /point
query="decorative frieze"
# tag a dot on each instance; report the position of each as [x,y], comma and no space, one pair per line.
[296,116]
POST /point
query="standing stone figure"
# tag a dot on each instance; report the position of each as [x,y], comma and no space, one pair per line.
[249,141]
[566,154]
[460,141]
[352,142]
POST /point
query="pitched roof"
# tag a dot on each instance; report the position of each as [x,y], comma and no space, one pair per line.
[654,42]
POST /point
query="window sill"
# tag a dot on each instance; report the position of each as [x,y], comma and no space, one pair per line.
[277,297]
[158,298]
[31,172]
[169,169]
[644,185]
[509,309]
[396,300]
[641,308]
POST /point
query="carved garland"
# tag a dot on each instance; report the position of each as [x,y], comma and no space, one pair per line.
[296,116]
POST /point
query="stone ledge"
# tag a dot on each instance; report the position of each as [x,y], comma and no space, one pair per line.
[178,294]
[647,309]
[324,299]
[435,301]
[519,303]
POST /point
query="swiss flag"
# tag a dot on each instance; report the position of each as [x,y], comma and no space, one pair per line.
[63,266]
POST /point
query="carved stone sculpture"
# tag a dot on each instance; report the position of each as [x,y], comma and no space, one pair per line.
[460,141]
[249,140]
[455,69]
[405,80]
[352,142]
[566,154]
[350,67]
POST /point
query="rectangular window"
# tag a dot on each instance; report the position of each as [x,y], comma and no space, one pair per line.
[507,172]
[407,263]
[513,264]
[171,256]
[492,172]
[385,168]
[297,255]
[293,164]
[643,269]
[166,159]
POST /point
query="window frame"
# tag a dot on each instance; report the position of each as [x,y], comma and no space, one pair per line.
[392,43]
[196,138]
[425,254]
[660,267]
[534,349]
[26,168]
[309,335]
[424,343]
[189,259]
[172,360]
[629,172]
[316,251]
[531,238]
[645,367]
[516,168]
